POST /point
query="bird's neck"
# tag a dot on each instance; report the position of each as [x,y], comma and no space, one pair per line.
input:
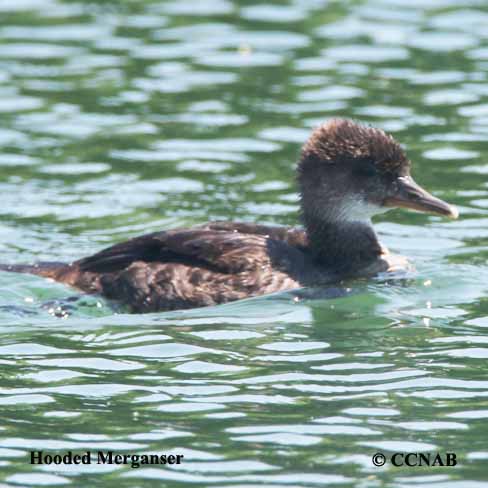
[342,245]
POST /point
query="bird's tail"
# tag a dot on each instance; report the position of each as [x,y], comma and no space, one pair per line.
[47,269]
[69,274]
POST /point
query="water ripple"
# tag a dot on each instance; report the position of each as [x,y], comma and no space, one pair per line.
[130,117]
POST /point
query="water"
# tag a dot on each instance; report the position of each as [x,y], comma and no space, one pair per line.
[120,118]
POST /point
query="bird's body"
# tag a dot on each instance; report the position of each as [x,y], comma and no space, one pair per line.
[215,263]
[346,174]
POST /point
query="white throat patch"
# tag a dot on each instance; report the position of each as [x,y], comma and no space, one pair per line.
[355,209]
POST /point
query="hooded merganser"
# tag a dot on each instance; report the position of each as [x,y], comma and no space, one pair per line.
[347,173]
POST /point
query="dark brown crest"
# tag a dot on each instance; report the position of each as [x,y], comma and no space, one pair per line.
[341,141]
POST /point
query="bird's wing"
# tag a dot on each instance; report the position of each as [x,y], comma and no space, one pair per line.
[220,246]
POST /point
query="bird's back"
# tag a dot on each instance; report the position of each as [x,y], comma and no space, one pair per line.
[185,268]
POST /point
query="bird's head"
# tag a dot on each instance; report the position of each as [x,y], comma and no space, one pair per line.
[350,172]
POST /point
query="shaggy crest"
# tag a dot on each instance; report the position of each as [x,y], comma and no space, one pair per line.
[342,140]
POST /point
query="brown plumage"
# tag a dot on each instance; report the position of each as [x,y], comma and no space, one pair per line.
[346,174]
[341,141]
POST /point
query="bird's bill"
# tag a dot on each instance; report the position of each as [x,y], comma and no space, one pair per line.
[412,196]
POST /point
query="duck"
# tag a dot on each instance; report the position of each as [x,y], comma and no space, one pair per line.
[346,174]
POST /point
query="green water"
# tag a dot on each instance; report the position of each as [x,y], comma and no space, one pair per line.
[124,117]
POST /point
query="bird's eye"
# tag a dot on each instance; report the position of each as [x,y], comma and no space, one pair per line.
[366,168]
